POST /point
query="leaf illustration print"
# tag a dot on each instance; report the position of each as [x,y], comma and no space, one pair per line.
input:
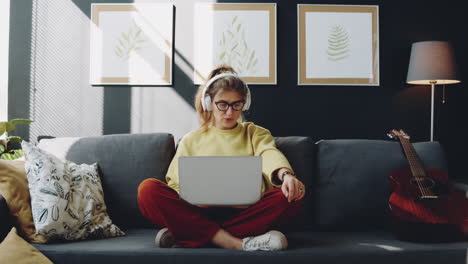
[43,215]
[48,191]
[55,213]
[59,190]
[129,42]
[233,49]
[338,43]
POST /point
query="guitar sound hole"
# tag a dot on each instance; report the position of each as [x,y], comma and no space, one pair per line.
[423,182]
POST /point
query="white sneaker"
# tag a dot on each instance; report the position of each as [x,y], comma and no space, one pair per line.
[270,241]
[164,239]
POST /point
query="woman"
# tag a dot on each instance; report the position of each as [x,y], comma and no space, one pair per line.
[219,104]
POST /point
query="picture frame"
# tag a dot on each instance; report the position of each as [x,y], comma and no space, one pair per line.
[338,45]
[240,35]
[131,44]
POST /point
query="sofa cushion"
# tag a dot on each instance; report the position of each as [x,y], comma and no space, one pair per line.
[352,188]
[15,191]
[67,200]
[300,153]
[7,222]
[304,247]
[125,160]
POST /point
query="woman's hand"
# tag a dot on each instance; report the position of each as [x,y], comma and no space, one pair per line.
[292,188]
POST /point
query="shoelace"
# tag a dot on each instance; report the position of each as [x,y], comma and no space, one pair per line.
[258,242]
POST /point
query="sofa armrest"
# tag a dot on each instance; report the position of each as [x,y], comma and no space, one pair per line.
[461,187]
[5,218]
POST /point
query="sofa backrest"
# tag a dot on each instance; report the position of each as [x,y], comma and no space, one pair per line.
[347,186]
[351,188]
[301,155]
[125,160]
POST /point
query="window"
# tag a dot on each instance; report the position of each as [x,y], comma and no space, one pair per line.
[4,41]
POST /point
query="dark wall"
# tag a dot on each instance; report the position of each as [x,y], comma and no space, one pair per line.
[322,112]
[328,112]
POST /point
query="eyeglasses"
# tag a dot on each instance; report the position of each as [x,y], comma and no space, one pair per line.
[224,106]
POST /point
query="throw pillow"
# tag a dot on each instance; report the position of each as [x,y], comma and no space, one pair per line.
[14,188]
[67,199]
[16,250]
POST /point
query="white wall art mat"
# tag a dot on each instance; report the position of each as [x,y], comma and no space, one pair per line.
[338,45]
[240,35]
[131,44]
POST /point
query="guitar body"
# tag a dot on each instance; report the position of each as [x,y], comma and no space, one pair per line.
[423,204]
[405,202]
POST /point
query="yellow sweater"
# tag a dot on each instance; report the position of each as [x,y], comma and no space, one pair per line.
[246,139]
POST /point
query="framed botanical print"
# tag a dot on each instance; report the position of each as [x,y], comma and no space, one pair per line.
[131,44]
[240,35]
[338,45]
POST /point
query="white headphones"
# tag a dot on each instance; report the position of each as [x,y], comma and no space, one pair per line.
[206,99]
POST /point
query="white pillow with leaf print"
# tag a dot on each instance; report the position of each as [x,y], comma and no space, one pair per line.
[67,200]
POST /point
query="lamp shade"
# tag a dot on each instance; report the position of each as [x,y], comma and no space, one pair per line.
[432,62]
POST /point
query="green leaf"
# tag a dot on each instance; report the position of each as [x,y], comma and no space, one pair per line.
[2,149]
[252,56]
[48,191]
[124,36]
[337,53]
[2,127]
[12,155]
[118,52]
[121,43]
[15,139]
[6,127]
[221,56]
[138,32]
[20,120]
[339,58]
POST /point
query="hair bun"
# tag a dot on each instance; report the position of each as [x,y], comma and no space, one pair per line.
[223,68]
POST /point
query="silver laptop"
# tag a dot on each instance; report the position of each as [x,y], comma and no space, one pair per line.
[220,180]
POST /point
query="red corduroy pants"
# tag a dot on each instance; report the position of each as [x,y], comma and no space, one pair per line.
[193,226]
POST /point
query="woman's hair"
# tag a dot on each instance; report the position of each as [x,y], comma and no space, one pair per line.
[227,83]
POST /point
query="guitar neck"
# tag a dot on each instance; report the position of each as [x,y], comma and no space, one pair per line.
[417,169]
[415,163]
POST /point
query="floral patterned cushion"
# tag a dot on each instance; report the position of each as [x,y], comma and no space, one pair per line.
[67,199]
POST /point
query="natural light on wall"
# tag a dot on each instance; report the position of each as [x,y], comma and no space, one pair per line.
[62,102]
[162,109]
[4,41]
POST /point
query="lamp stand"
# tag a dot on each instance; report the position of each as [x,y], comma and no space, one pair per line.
[432,109]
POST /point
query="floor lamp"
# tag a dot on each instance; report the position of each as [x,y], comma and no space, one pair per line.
[432,62]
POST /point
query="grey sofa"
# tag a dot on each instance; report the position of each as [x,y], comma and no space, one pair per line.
[344,218]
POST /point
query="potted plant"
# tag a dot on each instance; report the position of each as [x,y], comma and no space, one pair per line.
[7,150]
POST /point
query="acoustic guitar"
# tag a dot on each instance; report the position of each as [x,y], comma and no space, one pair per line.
[423,203]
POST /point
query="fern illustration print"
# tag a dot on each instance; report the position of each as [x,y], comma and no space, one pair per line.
[338,43]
